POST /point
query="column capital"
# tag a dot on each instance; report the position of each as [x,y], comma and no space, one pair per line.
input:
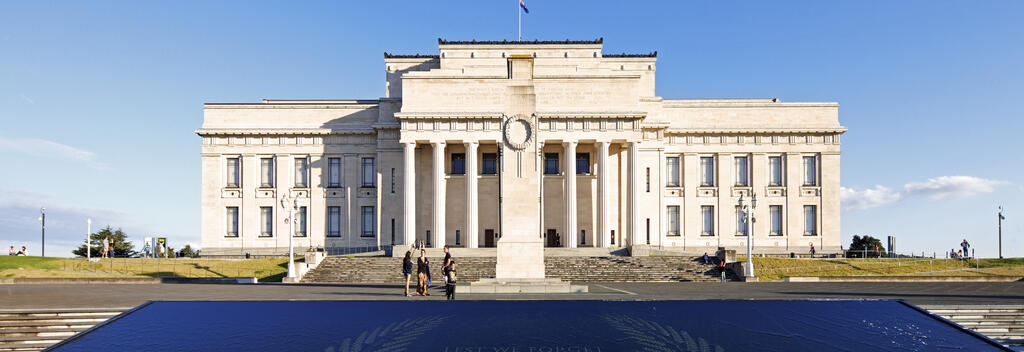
[470,142]
[568,143]
[438,143]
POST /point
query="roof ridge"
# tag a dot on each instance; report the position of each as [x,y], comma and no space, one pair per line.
[442,41]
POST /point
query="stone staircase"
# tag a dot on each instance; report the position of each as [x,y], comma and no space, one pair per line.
[1004,324]
[575,269]
[36,329]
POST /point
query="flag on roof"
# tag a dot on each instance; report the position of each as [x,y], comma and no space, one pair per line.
[523,5]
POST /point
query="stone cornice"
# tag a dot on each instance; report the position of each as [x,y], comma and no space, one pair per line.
[279,131]
[740,103]
[592,115]
[362,104]
[446,115]
[441,41]
[766,130]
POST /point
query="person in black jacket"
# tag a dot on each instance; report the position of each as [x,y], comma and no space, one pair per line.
[422,273]
[407,270]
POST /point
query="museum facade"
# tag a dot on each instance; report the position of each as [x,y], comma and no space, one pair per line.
[617,165]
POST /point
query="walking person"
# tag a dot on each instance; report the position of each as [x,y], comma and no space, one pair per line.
[106,247]
[965,246]
[447,258]
[812,250]
[407,270]
[449,281]
[428,283]
[112,253]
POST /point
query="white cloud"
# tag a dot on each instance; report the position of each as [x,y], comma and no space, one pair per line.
[853,199]
[45,148]
[27,99]
[936,188]
[952,187]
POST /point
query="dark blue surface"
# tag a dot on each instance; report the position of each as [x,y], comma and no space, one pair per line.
[528,326]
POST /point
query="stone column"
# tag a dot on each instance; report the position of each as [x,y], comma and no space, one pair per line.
[409,191]
[439,195]
[602,195]
[635,236]
[571,233]
[472,206]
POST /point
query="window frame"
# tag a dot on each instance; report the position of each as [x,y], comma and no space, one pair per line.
[813,218]
[301,222]
[707,215]
[369,175]
[810,176]
[772,170]
[232,223]
[773,222]
[746,170]
[484,161]
[237,174]
[552,159]
[267,172]
[585,155]
[741,222]
[461,158]
[333,162]
[333,213]
[704,164]
[367,229]
[266,221]
[671,217]
[672,175]
[301,174]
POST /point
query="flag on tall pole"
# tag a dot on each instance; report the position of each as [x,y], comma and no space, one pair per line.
[523,6]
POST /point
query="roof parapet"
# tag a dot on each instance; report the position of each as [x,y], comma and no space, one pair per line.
[442,41]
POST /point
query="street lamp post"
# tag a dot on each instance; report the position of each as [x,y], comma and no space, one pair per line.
[1000,232]
[88,239]
[43,219]
[290,207]
[748,213]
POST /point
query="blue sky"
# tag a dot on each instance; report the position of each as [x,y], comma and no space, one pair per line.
[99,99]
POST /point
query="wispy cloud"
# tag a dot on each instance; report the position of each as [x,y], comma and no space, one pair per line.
[936,188]
[27,99]
[853,199]
[45,148]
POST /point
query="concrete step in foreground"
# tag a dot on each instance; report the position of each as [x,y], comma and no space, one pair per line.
[37,329]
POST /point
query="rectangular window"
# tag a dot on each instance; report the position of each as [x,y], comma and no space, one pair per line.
[234,172]
[333,172]
[301,172]
[742,174]
[428,238]
[673,220]
[458,238]
[369,172]
[300,222]
[775,170]
[392,180]
[582,163]
[333,221]
[708,215]
[267,172]
[810,171]
[648,231]
[648,180]
[741,222]
[458,164]
[490,164]
[583,237]
[267,223]
[232,230]
[368,222]
[551,163]
[707,174]
[810,220]
[672,171]
[776,219]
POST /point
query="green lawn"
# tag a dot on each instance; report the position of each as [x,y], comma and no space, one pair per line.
[772,269]
[265,269]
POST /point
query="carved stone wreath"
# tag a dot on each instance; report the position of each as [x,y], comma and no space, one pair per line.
[518,132]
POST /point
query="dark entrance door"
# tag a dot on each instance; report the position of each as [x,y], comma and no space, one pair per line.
[552,239]
[488,238]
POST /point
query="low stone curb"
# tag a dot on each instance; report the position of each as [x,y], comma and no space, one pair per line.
[131,280]
[903,279]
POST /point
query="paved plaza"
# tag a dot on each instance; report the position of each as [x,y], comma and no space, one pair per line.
[20,296]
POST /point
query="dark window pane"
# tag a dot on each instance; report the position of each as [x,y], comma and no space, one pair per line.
[551,163]
[582,163]
[490,164]
[458,164]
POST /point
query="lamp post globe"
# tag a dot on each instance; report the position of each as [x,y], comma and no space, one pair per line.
[286,204]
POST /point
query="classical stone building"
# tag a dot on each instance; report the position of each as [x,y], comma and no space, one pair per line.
[620,165]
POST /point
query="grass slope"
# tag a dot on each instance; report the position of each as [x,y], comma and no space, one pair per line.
[264,269]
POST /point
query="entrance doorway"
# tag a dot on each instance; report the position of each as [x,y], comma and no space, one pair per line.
[488,238]
[552,239]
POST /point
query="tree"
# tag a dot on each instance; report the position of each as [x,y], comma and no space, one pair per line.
[188,252]
[866,247]
[122,247]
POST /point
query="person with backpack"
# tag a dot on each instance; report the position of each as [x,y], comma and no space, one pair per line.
[449,278]
[407,270]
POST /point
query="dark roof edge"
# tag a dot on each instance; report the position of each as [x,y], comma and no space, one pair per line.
[442,41]
[651,54]
[388,55]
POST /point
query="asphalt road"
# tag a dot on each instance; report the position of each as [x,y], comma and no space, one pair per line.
[18,296]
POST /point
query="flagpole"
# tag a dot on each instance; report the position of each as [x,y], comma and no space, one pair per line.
[520,12]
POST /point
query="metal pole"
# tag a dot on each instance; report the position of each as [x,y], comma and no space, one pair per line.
[520,12]
[1000,232]
[88,239]
[43,252]
[750,259]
